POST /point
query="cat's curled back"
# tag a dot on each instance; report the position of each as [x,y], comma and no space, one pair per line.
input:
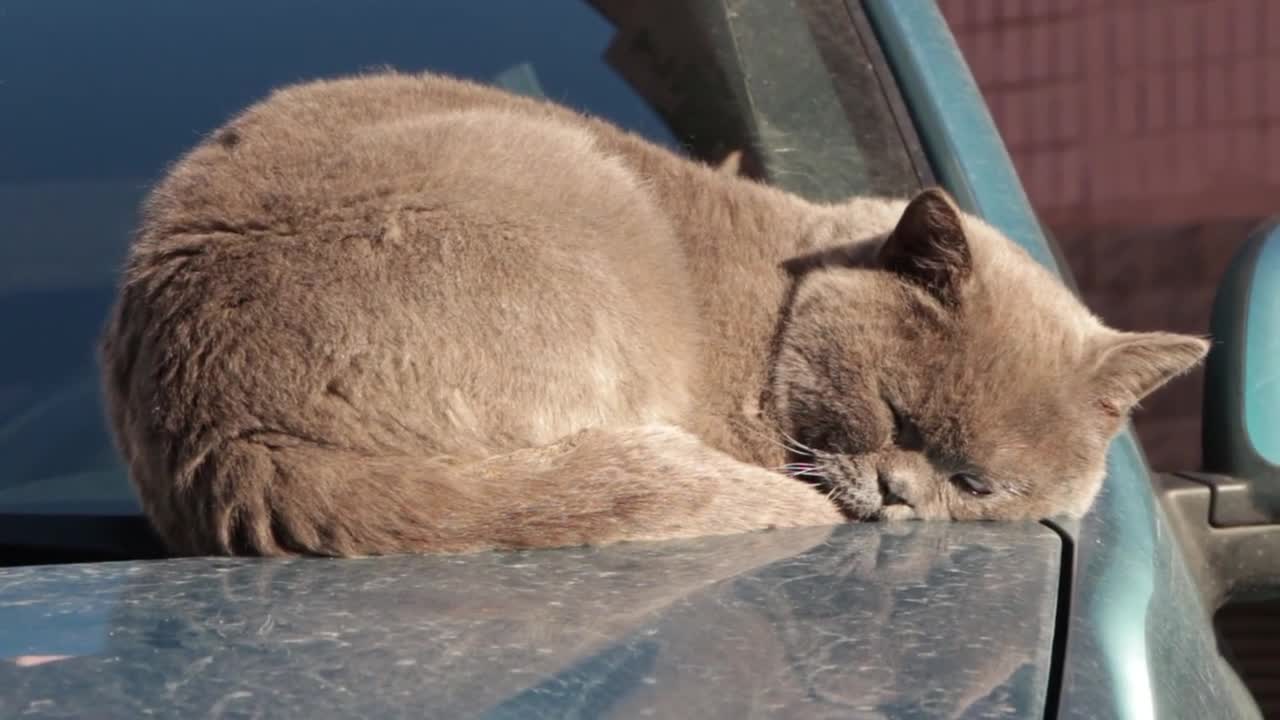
[408,313]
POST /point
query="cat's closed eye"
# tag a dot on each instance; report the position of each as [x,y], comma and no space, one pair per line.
[972,484]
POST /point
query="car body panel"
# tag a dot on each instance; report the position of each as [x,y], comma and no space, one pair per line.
[912,620]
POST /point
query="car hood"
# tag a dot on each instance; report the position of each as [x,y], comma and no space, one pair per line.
[911,619]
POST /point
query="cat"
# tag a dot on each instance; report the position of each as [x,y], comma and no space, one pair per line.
[391,313]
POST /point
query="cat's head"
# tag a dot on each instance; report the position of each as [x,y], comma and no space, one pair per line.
[946,374]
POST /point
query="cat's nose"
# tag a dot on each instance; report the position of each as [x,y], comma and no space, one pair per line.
[887,494]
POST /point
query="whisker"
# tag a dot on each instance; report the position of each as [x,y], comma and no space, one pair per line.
[775,442]
[793,467]
[788,443]
[797,446]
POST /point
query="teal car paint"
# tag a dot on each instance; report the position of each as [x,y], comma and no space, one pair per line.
[816,622]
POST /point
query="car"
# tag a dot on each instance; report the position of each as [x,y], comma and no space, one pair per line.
[1107,616]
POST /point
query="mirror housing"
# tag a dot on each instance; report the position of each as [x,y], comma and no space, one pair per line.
[1241,420]
[1227,517]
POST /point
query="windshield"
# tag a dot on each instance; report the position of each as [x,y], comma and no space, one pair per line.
[100,97]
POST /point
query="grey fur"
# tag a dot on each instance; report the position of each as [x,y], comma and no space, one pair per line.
[394,313]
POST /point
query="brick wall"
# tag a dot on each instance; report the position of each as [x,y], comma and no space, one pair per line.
[1147,133]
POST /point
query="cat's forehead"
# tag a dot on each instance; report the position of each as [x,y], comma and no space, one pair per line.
[1015,287]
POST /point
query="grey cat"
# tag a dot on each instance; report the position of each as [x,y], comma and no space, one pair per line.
[393,313]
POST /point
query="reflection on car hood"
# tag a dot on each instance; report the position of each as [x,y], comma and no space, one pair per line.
[909,620]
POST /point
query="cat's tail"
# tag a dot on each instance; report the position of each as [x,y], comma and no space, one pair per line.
[270,496]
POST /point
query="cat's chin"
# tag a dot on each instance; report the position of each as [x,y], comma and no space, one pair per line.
[857,506]
[893,513]
[863,501]
[880,513]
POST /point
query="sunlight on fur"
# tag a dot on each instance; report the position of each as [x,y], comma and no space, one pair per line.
[395,313]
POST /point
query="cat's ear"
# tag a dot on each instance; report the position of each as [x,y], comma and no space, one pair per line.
[1130,366]
[929,247]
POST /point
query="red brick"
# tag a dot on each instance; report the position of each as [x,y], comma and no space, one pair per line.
[1160,306]
[1219,242]
[1171,153]
[1096,101]
[957,13]
[1217,93]
[1096,43]
[1124,270]
[984,11]
[1124,104]
[1012,47]
[1216,34]
[1205,128]
[1155,35]
[1247,145]
[1023,111]
[1148,161]
[1248,83]
[1039,58]
[1043,106]
[1071,174]
[1187,174]
[1123,163]
[1069,112]
[1100,184]
[1198,154]
[975,45]
[1039,177]
[1037,8]
[1177,258]
[1245,20]
[1020,117]
[1187,19]
[1122,31]
[1155,101]
[1130,171]
[1271,20]
[1271,91]
[1216,150]
[1188,96]
[1272,158]
[1068,40]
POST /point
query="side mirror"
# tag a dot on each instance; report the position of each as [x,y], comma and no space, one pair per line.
[1241,428]
[1227,517]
